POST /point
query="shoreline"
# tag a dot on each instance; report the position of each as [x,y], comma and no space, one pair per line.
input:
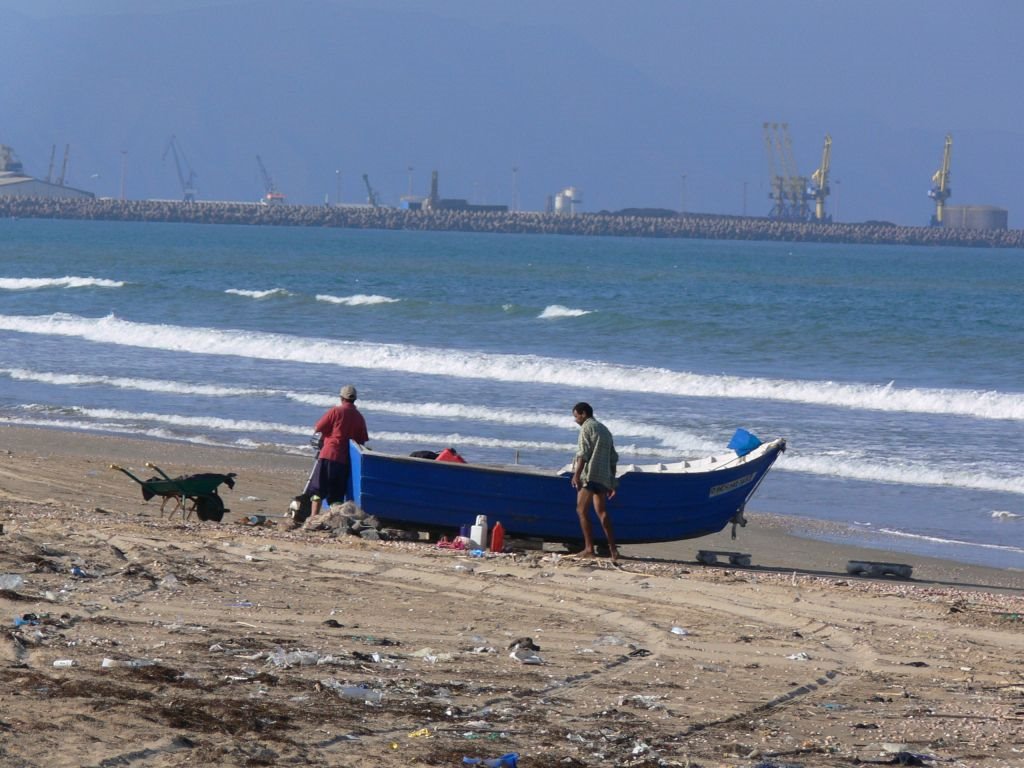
[33,460]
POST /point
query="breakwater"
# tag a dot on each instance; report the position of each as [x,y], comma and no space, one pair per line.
[699,226]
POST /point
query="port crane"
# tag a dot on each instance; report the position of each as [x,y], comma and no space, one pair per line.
[788,188]
[271,195]
[371,194]
[188,182]
[777,193]
[64,166]
[797,184]
[941,191]
[819,189]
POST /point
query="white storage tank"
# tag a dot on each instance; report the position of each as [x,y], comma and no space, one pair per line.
[974,217]
[566,200]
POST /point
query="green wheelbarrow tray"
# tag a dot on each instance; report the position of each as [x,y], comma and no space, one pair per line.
[200,489]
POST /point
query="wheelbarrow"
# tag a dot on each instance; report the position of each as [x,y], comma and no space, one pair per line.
[200,489]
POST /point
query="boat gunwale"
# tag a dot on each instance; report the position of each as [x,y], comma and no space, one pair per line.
[704,465]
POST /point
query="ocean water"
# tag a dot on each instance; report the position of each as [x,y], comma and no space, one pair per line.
[896,374]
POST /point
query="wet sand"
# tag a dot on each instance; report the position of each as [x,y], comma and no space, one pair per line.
[232,644]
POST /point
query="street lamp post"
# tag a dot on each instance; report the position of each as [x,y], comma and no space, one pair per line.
[515,188]
[124,162]
[337,187]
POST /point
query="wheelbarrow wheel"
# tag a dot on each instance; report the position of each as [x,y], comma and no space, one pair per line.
[210,508]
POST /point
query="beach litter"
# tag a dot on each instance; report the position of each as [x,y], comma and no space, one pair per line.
[526,656]
[107,663]
[431,656]
[509,760]
[11,581]
[361,692]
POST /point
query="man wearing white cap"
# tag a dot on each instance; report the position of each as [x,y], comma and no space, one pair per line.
[340,424]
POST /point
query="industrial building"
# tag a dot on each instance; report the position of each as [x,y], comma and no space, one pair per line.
[434,202]
[14,182]
[974,217]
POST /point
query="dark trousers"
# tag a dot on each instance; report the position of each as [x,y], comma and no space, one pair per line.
[330,481]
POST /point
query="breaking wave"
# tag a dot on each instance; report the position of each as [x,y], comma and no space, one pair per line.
[520,368]
[258,294]
[357,300]
[901,473]
[557,310]
[68,281]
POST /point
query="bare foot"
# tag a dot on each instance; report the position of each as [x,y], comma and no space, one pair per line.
[614,554]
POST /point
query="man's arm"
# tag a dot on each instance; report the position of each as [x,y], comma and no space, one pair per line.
[584,451]
[577,470]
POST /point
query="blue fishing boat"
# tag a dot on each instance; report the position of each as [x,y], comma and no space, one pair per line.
[655,502]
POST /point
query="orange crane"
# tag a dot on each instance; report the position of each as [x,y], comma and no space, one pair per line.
[271,195]
[941,191]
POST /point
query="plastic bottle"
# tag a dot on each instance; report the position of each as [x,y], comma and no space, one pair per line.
[478,533]
[498,537]
[510,760]
[129,663]
[361,693]
[11,580]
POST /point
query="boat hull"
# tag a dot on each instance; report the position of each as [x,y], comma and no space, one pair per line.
[649,507]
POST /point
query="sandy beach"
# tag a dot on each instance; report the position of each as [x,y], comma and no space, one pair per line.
[135,639]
